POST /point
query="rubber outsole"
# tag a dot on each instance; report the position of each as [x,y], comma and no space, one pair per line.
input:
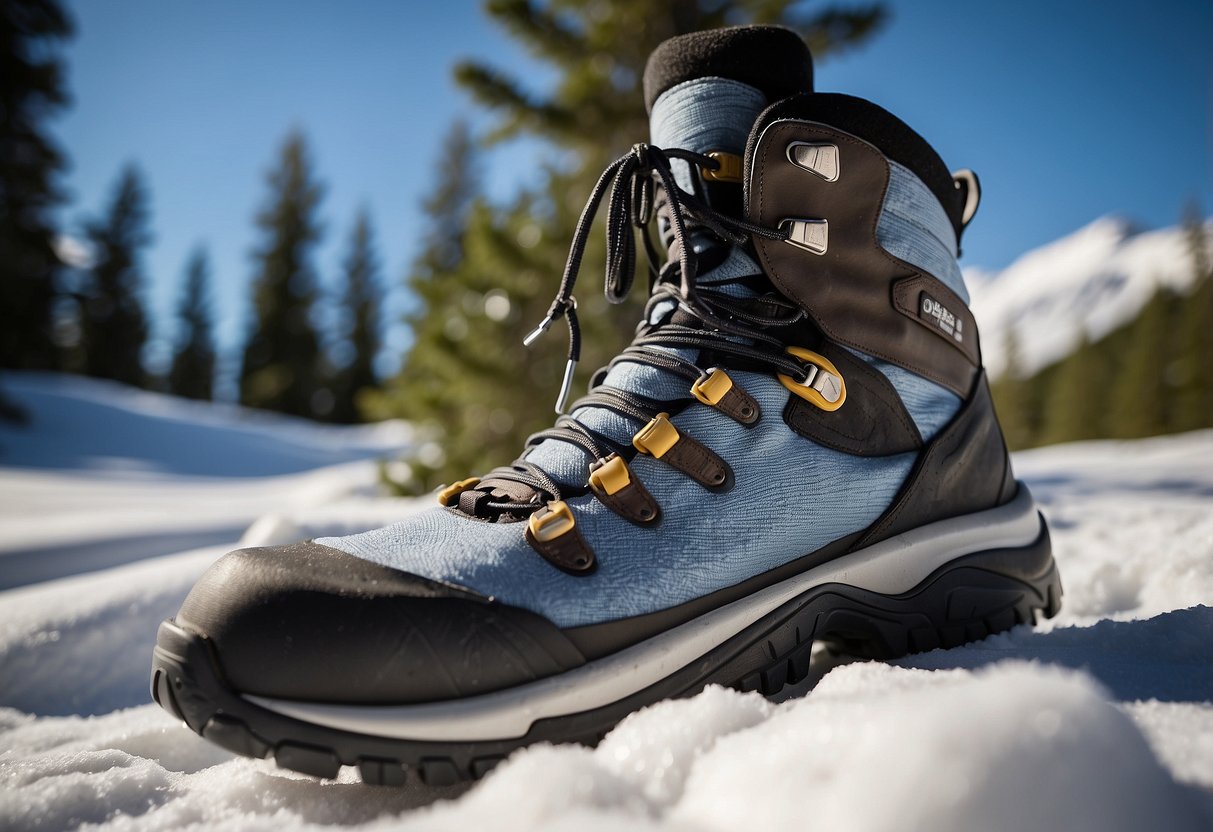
[965,600]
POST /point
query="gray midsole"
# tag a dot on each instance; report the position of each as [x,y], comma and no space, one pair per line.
[890,567]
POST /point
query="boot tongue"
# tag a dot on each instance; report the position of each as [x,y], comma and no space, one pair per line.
[705,90]
[706,115]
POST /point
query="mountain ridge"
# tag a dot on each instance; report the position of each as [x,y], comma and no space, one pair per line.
[1093,280]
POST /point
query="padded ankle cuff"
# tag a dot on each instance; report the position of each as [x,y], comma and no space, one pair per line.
[771,58]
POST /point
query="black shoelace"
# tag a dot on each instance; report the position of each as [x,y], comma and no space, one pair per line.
[713,320]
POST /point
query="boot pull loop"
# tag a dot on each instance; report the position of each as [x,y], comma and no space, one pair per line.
[822,386]
[969,185]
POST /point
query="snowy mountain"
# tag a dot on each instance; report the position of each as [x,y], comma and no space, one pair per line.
[1094,280]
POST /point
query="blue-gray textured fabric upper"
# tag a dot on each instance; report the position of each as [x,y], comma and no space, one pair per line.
[791,496]
[704,115]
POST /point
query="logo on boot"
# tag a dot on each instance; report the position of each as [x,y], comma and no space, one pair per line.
[930,309]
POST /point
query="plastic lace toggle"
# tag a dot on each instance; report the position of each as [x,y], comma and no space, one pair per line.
[447,495]
[712,388]
[553,522]
[613,484]
[611,475]
[729,170]
[716,389]
[822,386]
[657,437]
[661,440]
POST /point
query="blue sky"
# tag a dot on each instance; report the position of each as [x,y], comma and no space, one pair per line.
[1067,111]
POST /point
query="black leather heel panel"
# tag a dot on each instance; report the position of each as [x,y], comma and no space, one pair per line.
[965,469]
[307,622]
[873,421]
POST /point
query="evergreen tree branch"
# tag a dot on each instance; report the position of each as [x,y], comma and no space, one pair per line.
[544,33]
[498,92]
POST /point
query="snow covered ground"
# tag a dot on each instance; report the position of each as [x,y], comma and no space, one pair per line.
[107,475]
[1099,720]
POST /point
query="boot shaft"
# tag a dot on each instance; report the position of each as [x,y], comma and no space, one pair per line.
[873,221]
[872,214]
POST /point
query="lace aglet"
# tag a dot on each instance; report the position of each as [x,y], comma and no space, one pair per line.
[566,385]
[534,334]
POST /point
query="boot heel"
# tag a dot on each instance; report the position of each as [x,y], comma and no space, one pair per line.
[964,601]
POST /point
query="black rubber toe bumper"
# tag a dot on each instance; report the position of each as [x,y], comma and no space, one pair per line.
[308,622]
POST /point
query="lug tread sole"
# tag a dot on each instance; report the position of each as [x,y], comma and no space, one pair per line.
[962,602]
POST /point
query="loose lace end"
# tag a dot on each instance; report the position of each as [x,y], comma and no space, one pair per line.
[534,334]
[565,385]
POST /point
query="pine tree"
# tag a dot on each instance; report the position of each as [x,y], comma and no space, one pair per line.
[447,208]
[467,378]
[1013,398]
[424,388]
[360,311]
[113,323]
[282,367]
[1141,395]
[31,89]
[1194,342]
[1076,404]
[193,370]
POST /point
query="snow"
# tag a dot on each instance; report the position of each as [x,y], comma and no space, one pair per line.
[1092,280]
[1099,720]
[106,475]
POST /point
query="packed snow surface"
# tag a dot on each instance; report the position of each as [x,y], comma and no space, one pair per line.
[1099,720]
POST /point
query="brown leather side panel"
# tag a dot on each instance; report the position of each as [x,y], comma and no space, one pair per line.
[872,422]
[700,463]
[849,289]
[941,311]
[965,469]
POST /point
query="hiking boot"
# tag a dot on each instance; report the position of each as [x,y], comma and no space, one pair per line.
[799,445]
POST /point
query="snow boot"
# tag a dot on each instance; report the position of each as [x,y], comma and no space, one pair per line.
[799,445]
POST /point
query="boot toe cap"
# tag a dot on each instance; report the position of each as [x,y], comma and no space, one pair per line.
[307,622]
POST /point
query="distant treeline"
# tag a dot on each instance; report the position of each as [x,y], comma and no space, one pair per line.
[1150,376]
